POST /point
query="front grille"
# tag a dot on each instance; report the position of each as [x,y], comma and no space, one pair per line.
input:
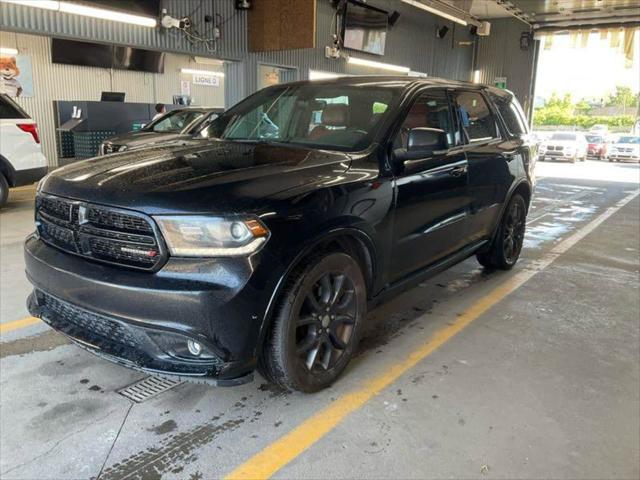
[99,233]
[82,324]
[118,341]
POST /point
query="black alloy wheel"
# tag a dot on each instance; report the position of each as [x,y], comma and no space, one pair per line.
[317,326]
[507,244]
[324,325]
[513,232]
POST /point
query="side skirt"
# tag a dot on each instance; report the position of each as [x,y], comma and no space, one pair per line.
[415,278]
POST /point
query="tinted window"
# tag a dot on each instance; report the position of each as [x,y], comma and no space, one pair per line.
[594,139]
[430,110]
[342,117]
[512,115]
[10,109]
[477,120]
[629,140]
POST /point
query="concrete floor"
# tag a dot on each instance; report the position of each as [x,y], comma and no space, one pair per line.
[544,384]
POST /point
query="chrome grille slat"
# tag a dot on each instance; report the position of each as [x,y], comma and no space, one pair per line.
[104,234]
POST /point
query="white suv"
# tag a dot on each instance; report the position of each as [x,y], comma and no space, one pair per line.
[21,158]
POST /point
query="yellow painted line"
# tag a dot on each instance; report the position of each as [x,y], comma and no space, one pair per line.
[279,453]
[25,187]
[17,324]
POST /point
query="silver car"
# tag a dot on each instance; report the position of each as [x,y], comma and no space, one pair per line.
[175,125]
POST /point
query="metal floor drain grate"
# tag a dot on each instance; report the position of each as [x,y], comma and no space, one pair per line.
[147,388]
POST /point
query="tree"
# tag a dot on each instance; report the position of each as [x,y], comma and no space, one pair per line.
[623,97]
[583,107]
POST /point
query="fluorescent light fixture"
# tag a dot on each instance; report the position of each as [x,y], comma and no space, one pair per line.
[320,75]
[46,4]
[380,65]
[435,11]
[8,51]
[208,61]
[191,71]
[476,76]
[86,11]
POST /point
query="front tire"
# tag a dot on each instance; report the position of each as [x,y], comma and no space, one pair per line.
[4,190]
[317,325]
[507,245]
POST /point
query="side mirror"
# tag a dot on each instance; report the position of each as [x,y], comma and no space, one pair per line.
[422,142]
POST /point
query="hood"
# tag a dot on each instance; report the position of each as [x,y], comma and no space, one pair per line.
[203,176]
[142,138]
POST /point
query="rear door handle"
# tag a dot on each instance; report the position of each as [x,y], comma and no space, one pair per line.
[458,171]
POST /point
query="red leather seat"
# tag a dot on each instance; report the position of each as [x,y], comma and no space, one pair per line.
[333,115]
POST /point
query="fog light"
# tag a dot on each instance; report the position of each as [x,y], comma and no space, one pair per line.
[195,348]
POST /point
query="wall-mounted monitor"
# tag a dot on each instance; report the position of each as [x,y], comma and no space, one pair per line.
[364,27]
[127,58]
[89,54]
[112,97]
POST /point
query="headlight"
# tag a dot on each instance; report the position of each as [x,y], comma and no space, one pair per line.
[202,236]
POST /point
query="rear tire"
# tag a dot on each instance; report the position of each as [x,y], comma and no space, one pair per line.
[4,190]
[317,324]
[507,244]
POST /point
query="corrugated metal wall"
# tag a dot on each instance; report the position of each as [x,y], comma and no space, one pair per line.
[499,55]
[411,42]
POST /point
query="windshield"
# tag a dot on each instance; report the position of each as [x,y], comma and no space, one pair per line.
[632,140]
[340,117]
[594,139]
[174,121]
[564,136]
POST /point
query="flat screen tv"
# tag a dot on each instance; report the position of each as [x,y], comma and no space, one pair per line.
[89,54]
[364,27]
[127,58]
[72,52]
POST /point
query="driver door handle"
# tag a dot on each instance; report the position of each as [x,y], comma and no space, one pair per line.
[458,171]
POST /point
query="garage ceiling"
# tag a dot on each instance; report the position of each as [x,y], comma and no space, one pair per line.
[557,14]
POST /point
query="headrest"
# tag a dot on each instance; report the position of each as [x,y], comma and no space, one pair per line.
[335,115]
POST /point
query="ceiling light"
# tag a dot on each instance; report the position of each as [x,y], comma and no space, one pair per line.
[476,76]
[46,4]
[86,11]
[383,66]
[319,75]
[8,51]
[201,72]
[435,11]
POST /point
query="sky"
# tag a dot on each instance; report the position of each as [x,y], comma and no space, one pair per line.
[591,72]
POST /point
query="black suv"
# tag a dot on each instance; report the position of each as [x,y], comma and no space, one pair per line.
[263,241]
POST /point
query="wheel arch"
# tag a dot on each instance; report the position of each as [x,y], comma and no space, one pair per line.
[351,240]
[523,188]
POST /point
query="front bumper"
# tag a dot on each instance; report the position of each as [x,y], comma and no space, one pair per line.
[624,157]
[558,156]
[144,320]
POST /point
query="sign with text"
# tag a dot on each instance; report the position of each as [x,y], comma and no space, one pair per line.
[206,80]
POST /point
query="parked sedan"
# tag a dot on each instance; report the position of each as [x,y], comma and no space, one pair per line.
[626,148]
[566,146]
[596,146]
[174,125]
